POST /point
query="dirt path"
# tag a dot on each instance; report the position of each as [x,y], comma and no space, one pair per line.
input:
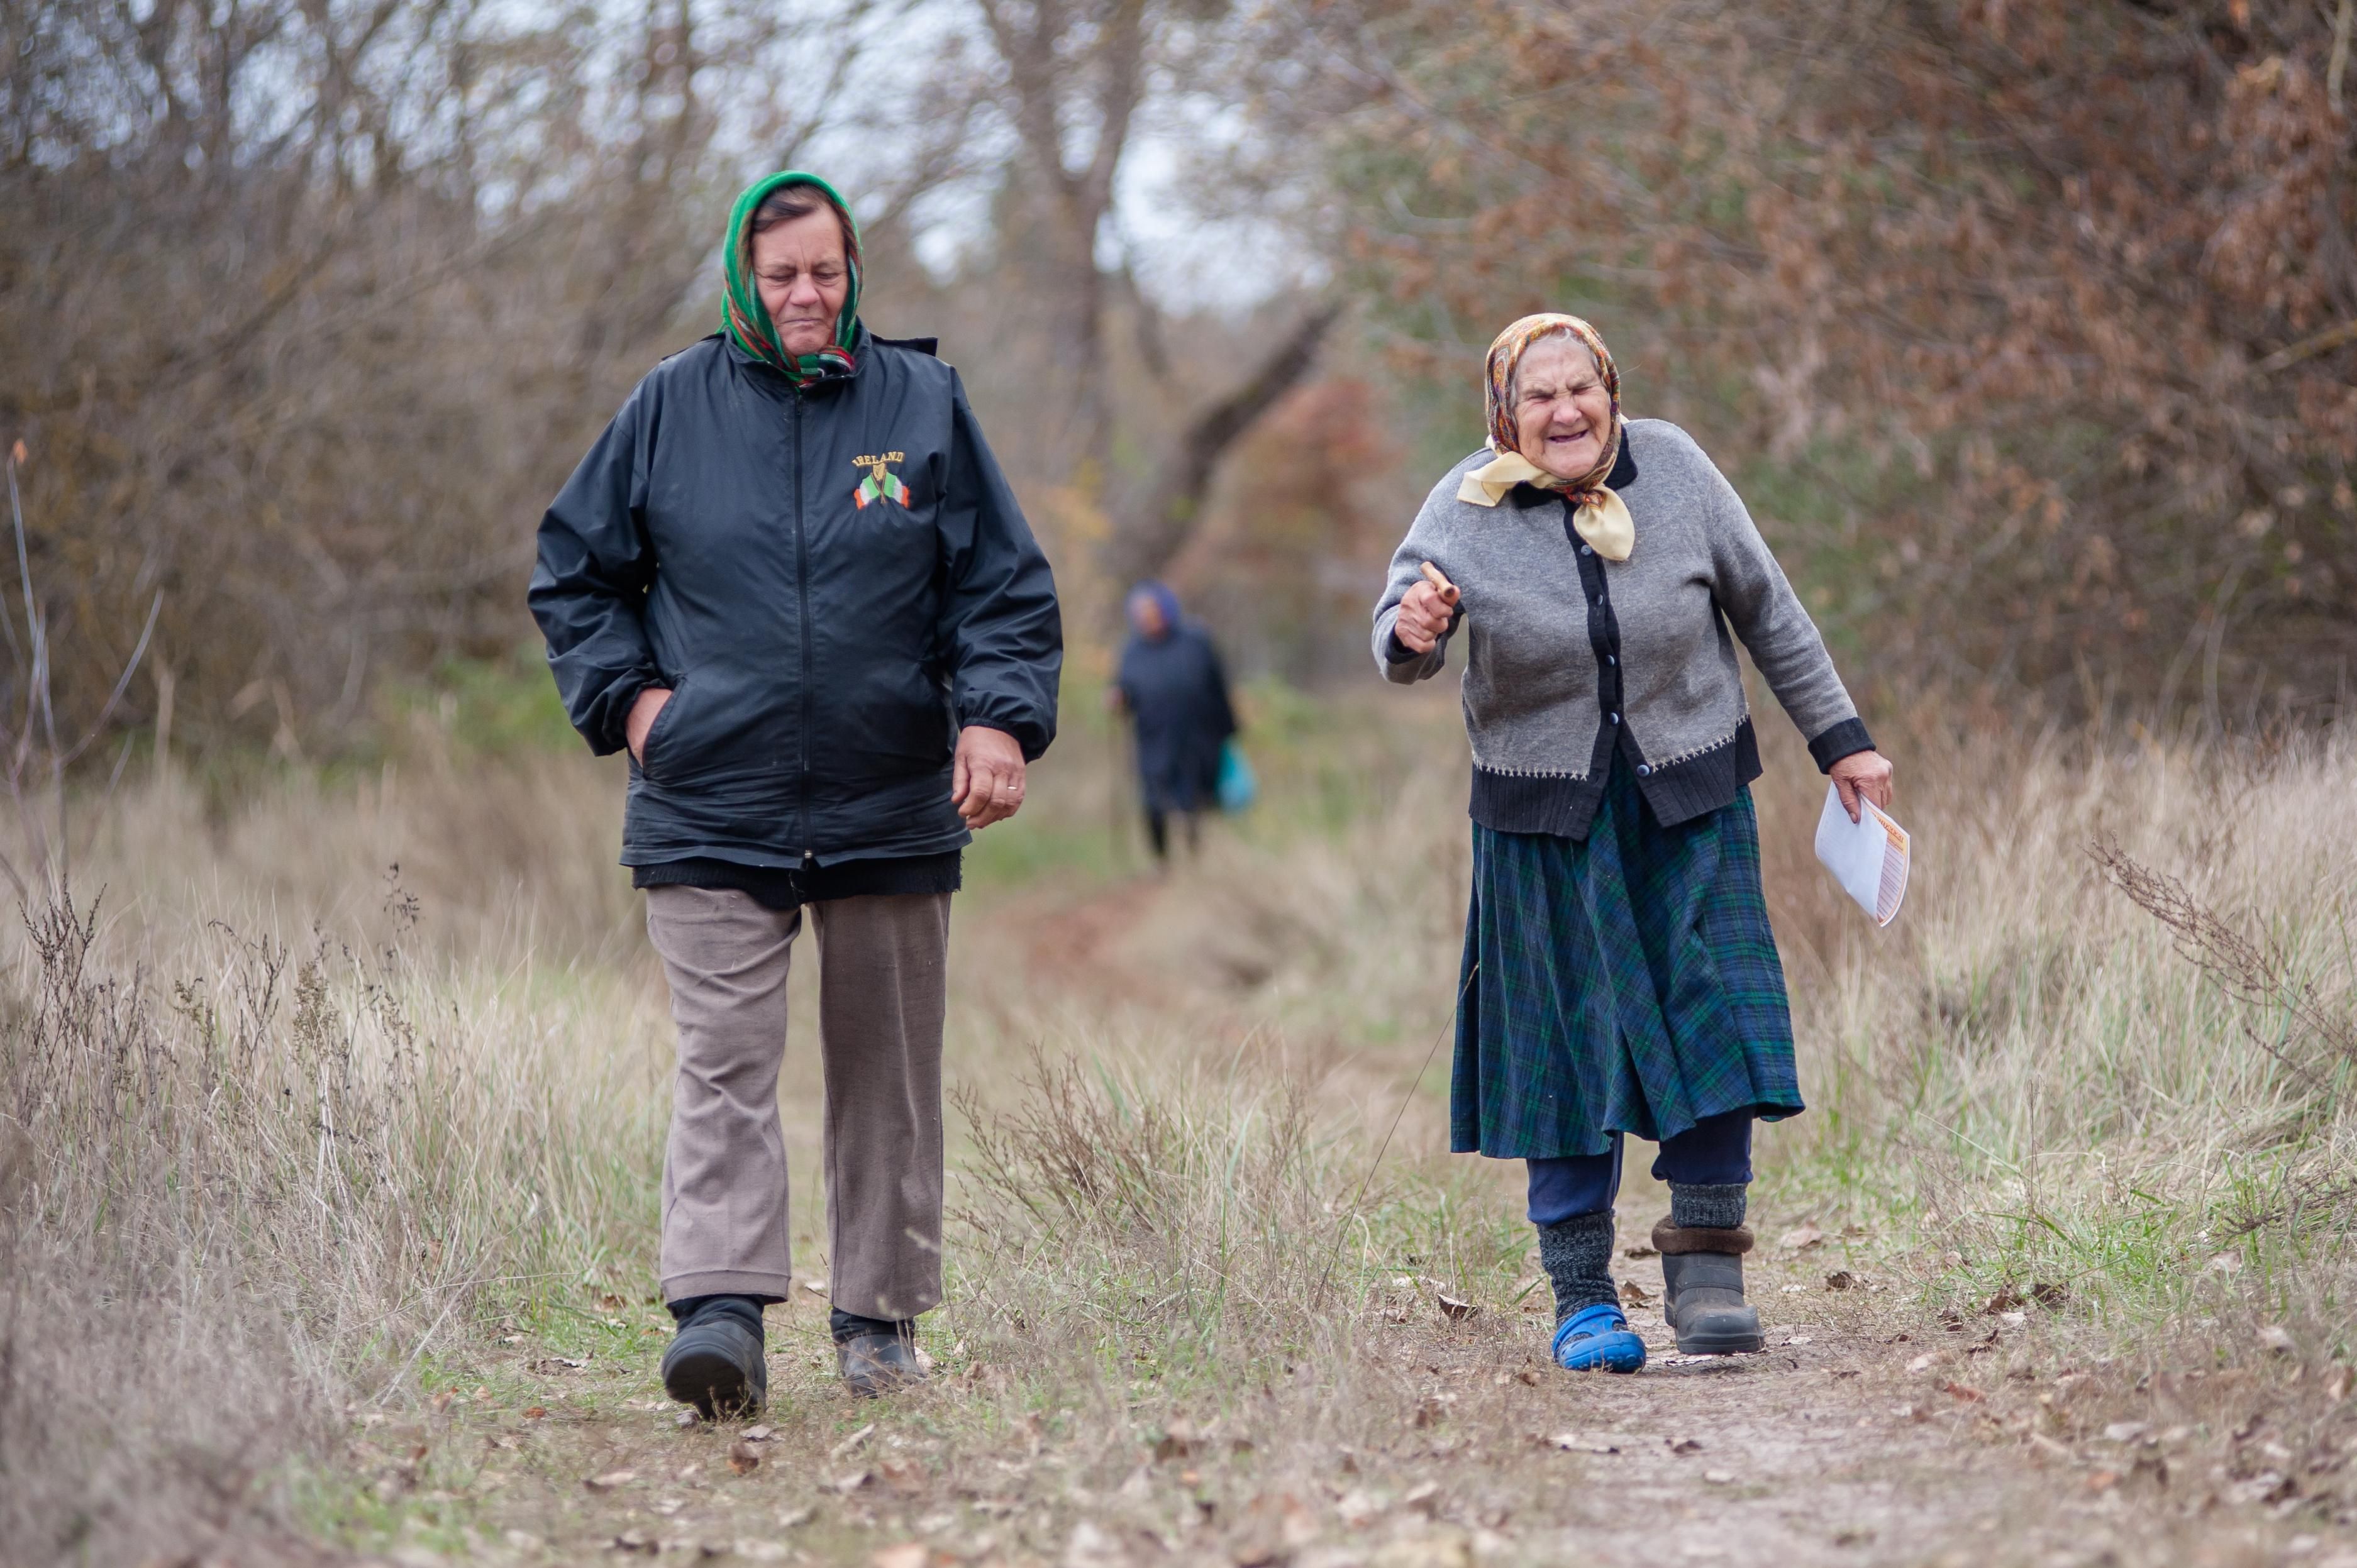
[1867,1432]
[1858,1436]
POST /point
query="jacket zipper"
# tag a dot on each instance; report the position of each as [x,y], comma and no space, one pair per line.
[801,568]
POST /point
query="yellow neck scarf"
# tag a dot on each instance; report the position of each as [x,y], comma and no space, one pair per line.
[1601,517]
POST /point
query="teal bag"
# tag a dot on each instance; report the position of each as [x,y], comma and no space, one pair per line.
[1238,788]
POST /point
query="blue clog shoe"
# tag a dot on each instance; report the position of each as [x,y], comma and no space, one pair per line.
[1598,1339]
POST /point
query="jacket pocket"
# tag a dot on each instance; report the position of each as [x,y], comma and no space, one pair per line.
[656,749]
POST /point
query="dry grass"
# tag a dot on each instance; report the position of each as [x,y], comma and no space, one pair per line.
[290,1142]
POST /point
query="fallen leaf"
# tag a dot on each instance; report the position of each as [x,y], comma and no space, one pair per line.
[908,1554]
[792,1519]
[1719,1478]
[1963,1392]
[1529,1375]
[2126,1431]
[557,1364]
[1421,1496]
[1840,1279]
[1924,1362]
[1431,1408]
[1639,1251]
[610,1479]
[534,1412]
[850,1482]
[1633,1294]
[1453,1308]
[2266,1487]
[1683,1445]
[760,1433]
[667,1506]
[522,1539]
[1356,1507]
[1800,1238]
[1583,1442]
[743,1457]
[2051,1296]
[817,1287]
[2275,1337]
[762,1550]
[1951,1259]
[637,1541]
[2006,1300]
[1179,1441]
[2224,1264]
[685,1419]
[2103,1480]
[852,1441]
[2336,1383]
[905,1475]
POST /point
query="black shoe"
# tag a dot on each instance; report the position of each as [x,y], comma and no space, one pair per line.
[1704,1304]
[715,1363]
[877,1364]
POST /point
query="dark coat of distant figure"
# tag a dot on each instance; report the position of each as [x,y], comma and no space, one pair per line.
[1176,692]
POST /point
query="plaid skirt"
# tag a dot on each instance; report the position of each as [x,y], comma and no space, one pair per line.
[1627,982]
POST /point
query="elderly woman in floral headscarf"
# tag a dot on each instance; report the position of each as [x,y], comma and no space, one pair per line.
[1619,976]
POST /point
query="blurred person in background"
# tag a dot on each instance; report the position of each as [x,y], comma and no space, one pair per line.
[1619,976]
[791,581]
[1172,685]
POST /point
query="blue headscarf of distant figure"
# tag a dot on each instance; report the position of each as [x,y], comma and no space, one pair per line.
[1174,689]
[1158,594]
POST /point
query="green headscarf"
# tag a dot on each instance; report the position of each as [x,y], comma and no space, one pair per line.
[748,320]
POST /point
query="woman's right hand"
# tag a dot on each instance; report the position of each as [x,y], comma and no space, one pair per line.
[643,709]
[1424,614]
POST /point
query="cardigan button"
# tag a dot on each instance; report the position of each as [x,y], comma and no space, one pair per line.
[1599,598]
[1644,770]
[1587,550]
[1616,718]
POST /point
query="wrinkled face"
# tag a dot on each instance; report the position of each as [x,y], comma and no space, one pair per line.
[1146,615]
[800,273]
[1563,415]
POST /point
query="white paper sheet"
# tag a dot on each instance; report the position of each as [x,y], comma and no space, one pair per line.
[1869,857]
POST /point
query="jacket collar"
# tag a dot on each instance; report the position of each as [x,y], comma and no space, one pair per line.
[768,376]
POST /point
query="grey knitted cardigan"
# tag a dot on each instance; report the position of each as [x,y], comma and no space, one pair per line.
[1551,692]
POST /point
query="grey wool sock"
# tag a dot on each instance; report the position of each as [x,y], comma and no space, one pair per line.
[1718,1208]
[1578,1256]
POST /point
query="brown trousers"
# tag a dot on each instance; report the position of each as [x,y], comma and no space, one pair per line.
[883,966]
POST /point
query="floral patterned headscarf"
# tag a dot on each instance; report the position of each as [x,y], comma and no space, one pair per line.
[1601,517]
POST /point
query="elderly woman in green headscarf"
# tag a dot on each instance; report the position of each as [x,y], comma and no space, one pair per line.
[1619,976]
[790,581]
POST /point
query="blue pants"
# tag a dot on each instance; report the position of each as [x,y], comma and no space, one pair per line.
[1714,1152]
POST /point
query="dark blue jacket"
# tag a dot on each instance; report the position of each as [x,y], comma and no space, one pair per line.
[1177,694]
[830,581]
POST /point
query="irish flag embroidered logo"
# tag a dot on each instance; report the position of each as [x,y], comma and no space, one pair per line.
[881,483]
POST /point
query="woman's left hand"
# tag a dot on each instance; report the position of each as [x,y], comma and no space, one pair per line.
[1866,773]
